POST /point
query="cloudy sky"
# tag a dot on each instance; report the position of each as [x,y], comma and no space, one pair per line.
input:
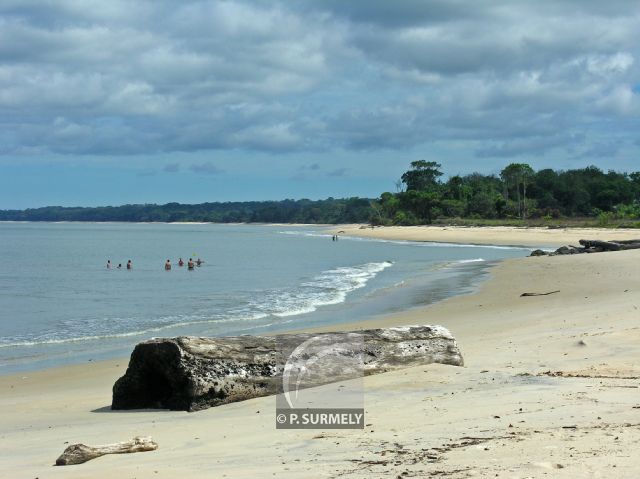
[111,102]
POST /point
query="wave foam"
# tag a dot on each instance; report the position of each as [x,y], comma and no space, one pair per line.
[329,287]
[475,260]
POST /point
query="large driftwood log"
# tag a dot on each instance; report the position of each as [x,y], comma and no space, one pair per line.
[79,453]
[192,373]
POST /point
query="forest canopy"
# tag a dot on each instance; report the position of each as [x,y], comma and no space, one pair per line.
[518,193]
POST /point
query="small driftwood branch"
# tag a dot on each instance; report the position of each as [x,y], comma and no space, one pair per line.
[79,453]
[539,294]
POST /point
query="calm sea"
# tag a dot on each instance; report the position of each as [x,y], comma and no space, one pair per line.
[59,304]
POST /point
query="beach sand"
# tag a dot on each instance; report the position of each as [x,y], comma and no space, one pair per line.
[549,389]
[497,235]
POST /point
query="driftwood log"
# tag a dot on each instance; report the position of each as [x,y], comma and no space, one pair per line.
[192,373]
[79,453]
[603,245]
[591,246]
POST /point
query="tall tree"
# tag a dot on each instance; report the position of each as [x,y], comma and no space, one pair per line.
[526,174]
[422,176]
[519,175]
[510,177]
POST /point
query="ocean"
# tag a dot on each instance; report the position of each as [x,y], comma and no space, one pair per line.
[60,304]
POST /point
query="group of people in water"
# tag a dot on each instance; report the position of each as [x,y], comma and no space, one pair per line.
[167,266]
[190,264]
[129,265]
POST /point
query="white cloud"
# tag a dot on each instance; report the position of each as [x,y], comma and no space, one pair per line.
[507,78]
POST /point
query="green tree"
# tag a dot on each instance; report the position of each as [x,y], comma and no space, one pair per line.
[424,205]
[518,175]
[509,176]
[526,174]
[423,175]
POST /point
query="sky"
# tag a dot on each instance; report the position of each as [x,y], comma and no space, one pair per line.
[155,101]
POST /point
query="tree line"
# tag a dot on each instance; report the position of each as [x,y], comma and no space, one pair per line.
[329,211]
[518,193]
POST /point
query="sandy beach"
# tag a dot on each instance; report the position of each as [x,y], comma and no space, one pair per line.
[496,235]
[549,389]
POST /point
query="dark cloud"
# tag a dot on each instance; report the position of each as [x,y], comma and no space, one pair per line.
[171,168]
[338,172]
[497,80]
[408,13]
[146,173]
[602,150]
[206,169]
[524,146]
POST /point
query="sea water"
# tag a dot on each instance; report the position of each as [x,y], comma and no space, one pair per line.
[59,303]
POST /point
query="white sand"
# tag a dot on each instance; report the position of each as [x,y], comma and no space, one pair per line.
[499,235]
[496,417]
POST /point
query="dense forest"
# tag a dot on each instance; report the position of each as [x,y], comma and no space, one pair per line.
[351,210]
[518,195]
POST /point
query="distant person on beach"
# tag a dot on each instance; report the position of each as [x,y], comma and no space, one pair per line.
[180,263]
[199,262]
[119,265]
[190,264]
[129,265]
[167,265]
[108,264]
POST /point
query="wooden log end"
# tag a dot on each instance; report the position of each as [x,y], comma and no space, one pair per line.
[81,453]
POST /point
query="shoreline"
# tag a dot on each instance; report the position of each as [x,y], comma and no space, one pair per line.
[481,276]
[552,379]
[486,235]
[65,351]
[319,225]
